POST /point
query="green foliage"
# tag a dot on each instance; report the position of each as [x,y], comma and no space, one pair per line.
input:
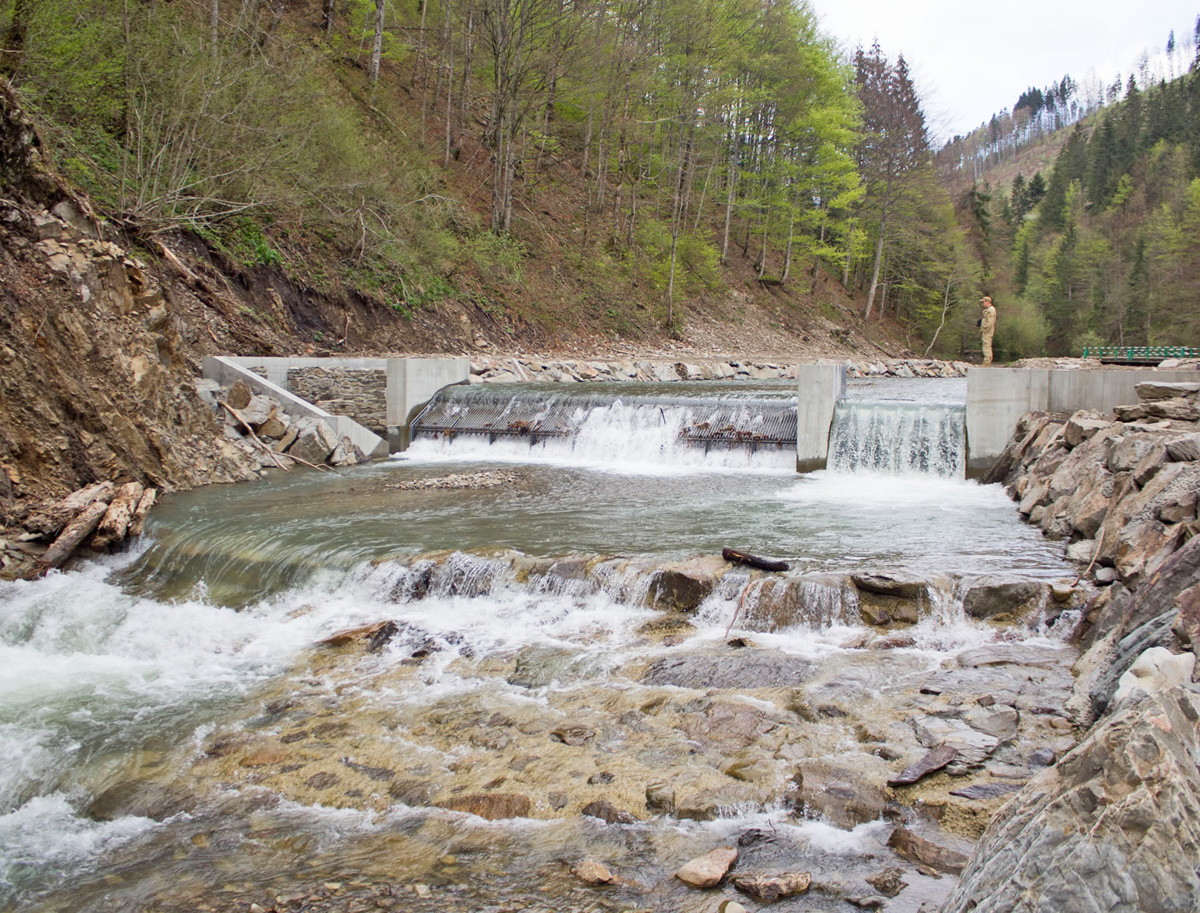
[246,242]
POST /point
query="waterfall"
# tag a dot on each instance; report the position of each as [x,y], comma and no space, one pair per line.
[894,438]
[611,427]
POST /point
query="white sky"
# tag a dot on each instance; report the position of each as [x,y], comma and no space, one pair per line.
[970,59]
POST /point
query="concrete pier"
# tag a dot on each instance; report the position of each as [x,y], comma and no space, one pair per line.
[818,387]
[997,397]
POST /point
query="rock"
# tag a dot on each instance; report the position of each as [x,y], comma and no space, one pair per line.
[660,797]
[971,745]
[731,906]
[573,734]
[681,587]
[998,720]
[1157,669]
[735,669]
[607,812]
[314,441]
[491,806]
[1155,391]
[1143,545]
[984,792]
[770,888]
[888,882]
[707,871]
[1129,450]
[1184,449]
[1043,757]
[1082,426]
[589,871]
[916,848]
[1187,623]
[999,598]
[1005,654]
[239,395]
[933,761]
[845,792]
[1113,826]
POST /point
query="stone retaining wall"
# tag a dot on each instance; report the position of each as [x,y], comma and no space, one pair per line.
[361,394]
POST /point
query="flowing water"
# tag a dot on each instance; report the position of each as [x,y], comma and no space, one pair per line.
[122,682]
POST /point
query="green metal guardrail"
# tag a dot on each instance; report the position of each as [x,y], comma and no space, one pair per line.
[1139,355]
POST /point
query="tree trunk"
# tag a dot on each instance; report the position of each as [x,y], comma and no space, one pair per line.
[945,310]
[15,36]
[377,47]
[874,275]
[214,28]
[70,538]
[327,11]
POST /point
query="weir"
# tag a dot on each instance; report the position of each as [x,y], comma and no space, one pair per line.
[897,438]
[707,420]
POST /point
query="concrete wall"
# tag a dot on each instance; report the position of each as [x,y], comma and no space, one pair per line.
[227,371]
[411,382]
[997,397]
[819,387]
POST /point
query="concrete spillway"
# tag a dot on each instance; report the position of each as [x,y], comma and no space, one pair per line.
[702,420]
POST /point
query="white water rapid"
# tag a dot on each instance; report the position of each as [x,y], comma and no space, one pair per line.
[143,697]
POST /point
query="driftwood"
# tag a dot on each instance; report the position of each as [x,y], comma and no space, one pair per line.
[763,564]
[59,514]
[77,530]
[143,509]
[115,523]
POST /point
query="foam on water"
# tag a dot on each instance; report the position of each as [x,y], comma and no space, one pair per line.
[628,438]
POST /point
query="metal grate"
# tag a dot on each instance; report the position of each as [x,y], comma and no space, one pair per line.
[733,423]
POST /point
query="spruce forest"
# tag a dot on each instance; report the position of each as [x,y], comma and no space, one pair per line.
[616,167]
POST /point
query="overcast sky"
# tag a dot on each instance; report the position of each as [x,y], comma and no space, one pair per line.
[972,59]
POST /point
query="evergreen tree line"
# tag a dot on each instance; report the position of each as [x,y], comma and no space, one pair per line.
[1106,250]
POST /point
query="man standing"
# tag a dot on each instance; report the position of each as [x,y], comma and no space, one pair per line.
[987,326]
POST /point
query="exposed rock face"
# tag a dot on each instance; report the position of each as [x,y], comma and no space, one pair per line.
[1114,826]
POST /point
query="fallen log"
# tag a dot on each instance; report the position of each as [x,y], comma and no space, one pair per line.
[143,509]
[763,564]
[54,518]
[115,523]
[68,540]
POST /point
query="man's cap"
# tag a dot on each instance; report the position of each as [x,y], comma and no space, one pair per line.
[985,298]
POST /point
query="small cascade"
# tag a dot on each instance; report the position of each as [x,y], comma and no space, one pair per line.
[893,438]
[637,422]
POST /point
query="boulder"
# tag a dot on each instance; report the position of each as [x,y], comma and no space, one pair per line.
[315,440]
[239,395]
[682,586]
[1082,426]
[1157,669]
[845,792]
[707,871]
[770,888]
[1113,826]
[1185,449]
[996,597]
[925,851]
[1153,391]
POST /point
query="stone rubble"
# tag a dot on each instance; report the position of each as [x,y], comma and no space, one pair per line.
[522,370]
[282,440]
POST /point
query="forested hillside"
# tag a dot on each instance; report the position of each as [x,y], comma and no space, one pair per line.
[552,167]
[1102,246]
